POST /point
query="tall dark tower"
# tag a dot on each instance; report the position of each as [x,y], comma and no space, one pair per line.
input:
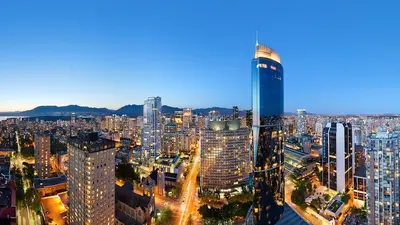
[268,165]
[235,110]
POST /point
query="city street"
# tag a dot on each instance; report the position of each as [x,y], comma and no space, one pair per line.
[289,186]
[189,198]
[24,216]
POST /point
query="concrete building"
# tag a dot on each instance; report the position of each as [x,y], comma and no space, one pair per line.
[224,163]
[235,112]
[91,180]
[187,118]
[169,140]
[73,118]
[301,121]
[8,201]
[337,156]
[383,182]
[50,186]
[132,208]
[151,133]
[42,155]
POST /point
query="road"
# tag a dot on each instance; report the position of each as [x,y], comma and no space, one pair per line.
[24,216]
[289,186]
[189,200]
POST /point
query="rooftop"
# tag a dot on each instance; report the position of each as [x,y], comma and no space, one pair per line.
[126,195]
[217,125]
[5,196]
[124,218]
[91,142]
[171,124]
[168,161]
[41,183]
[54,209]
[263,51]
[291,217]
[5,167]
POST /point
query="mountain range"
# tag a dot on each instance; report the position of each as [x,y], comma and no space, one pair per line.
[129,110]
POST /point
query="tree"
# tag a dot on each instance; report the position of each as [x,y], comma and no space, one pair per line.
[327,197]
[57,146]
[216,221]
[32,199]
[165,217]
[27,152]
[19,185]
[308,186]
[316,203]
[243,197]
[127,172]
[28,170]
[345,197]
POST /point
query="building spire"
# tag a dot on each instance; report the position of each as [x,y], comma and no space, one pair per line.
[256,37]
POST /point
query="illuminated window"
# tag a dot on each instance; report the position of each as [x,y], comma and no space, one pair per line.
[261,65]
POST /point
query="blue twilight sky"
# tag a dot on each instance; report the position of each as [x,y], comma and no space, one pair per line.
[339,56]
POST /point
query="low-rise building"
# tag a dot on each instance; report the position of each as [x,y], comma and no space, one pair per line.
[132,208]
[7,196]
[50,186]
[55,208]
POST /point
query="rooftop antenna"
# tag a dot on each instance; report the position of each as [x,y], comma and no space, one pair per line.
[256,37]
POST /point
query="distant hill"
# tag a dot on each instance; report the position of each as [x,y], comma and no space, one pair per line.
[137,110]
[129,110]
[64,110]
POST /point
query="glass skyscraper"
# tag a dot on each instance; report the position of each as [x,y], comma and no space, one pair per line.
[151,132]
[268,165]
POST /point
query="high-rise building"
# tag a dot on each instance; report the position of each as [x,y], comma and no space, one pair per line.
[301,121]
[360,175]
[235,112]
[42,155]
[178,120]
[73,118]
[151,133]
[337,156]
[169,140]
[187,118]
[383,181]
[91,180]
[249,118]
[224,163]
[268,127]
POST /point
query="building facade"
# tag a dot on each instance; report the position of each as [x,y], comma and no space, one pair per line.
[301,121]
[224,163]
[42,155]
[268,128]
[187,118]
[132,208]
[235,112]
[91,180]
[151,132]
[337,156]
[169,140]
[383,183]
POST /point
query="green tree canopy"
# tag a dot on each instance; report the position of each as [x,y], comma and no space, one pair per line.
[27,152]
[127,172]
[165,217]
